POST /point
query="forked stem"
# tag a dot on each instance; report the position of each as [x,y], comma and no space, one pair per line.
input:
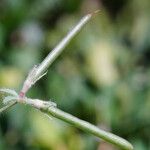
[47,107]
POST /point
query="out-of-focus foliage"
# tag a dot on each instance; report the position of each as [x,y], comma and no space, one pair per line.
[103,76]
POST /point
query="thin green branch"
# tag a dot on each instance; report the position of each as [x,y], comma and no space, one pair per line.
[37,72]
[50,109]
[85,126]
[60,47]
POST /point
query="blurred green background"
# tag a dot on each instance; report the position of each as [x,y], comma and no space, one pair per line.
[103,76]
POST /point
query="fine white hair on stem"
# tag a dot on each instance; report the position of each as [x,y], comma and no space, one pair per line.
[41,68]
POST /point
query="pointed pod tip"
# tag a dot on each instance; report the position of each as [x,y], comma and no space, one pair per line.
[131,147]
[95,12]
[128,146]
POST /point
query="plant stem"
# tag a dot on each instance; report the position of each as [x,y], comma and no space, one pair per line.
[37,72]
[60,47]
[49,108]
[109,137]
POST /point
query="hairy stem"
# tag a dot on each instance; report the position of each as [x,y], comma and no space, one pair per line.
[60,47]
[37,72]
[109,137]
[50,108]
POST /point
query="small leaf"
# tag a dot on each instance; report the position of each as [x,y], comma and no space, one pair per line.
[9,91]
[7,106]
[9,99]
